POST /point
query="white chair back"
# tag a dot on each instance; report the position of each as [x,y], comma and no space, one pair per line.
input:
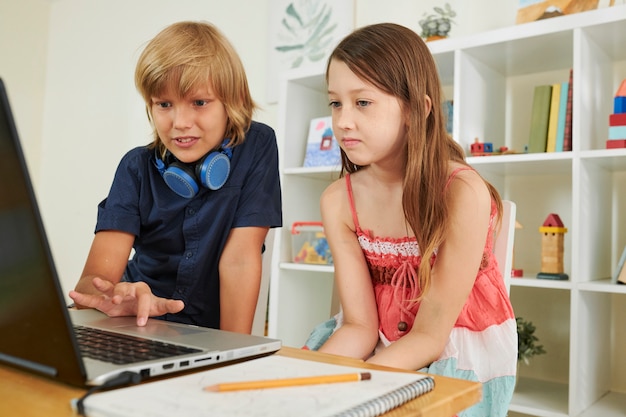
[504,242]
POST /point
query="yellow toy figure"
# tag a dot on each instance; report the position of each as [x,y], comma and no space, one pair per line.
[552,234]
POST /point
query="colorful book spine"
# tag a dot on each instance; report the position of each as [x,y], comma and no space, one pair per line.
[553,119]
[567,135]
[539,119]
[560,129]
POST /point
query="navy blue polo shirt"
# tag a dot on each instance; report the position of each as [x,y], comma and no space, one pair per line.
[179,241]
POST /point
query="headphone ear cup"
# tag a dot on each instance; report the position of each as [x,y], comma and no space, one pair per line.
[213,171]
[180,179]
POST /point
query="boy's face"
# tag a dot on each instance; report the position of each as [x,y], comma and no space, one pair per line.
[191,126]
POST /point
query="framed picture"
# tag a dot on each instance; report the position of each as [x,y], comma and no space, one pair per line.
[303,33]
[531,10]
[322,149]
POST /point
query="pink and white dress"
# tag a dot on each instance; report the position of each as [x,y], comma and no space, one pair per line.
[483,343]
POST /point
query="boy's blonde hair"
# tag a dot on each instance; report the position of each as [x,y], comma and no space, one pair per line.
[188,55]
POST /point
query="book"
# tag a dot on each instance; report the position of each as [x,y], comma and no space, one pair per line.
[553,118]
[567,135]
[322,148]
[620,271]
[560,128]
[539,118]
[186,395]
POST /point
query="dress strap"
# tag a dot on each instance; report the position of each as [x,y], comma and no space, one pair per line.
[456,171]
[355,219]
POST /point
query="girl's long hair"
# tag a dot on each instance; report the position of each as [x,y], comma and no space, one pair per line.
[396,60]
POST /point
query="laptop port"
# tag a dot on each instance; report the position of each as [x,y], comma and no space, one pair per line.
[144,373]
[184,363]
[168,366]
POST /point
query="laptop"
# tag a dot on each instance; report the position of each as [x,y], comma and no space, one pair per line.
[40,334]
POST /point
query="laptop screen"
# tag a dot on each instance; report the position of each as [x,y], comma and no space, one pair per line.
[34,322]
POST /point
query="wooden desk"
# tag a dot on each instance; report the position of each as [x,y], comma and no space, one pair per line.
[25,395]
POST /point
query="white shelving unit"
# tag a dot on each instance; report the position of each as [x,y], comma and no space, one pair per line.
[491,77]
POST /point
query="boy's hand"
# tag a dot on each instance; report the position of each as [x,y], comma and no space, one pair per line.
[126,299]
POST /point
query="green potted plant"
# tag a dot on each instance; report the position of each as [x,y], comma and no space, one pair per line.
[437,25]
[527,346]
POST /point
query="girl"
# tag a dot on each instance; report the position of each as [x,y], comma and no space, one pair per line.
[411,226]
[196,204]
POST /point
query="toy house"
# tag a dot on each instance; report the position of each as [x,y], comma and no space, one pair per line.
[617,120]
[552,236]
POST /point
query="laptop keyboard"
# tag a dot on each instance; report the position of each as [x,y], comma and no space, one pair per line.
[122,349]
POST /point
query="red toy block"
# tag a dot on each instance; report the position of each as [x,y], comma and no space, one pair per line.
[477,148]
[617,119]
[616,143]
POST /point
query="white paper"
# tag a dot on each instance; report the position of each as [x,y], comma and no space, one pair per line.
[184,396]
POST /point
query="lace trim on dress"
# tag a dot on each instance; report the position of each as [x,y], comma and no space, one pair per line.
[395,247]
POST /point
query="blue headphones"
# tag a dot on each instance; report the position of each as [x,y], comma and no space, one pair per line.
[211,172]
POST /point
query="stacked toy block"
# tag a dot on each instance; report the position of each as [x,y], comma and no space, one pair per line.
[617,120]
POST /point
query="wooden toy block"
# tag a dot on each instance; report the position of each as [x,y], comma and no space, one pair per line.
[552,236]
[617,132]
[619,104]
[621,91]
[616,143]
[617,119]
[477,147]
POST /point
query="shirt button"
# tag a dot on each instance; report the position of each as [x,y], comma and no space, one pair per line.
[402,326]
[188,255]
[191,211]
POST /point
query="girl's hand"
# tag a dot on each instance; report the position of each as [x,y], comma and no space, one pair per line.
[126,299]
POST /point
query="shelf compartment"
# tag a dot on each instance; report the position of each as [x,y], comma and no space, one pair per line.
[600,207]
[597,364]
[602,67]
[612,404]
[549,310]
[304,299]
[540,398]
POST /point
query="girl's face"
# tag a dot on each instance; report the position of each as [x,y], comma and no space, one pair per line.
[368,123]
[191,126]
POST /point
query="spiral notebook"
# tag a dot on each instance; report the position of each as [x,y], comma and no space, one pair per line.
[185,396]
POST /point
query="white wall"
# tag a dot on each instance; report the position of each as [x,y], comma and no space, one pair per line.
[23,48]
[69,67]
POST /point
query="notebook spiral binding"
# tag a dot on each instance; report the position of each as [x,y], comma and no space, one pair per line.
[391,400]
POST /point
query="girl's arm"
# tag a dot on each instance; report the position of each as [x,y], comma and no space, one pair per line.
[454,273]
[240,278]
[358,335]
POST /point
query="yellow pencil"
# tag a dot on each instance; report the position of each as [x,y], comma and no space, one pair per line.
[288,382]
